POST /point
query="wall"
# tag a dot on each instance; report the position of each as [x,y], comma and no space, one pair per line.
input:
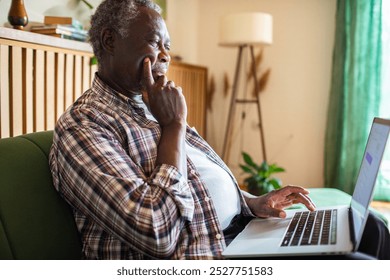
[295,101]
[183,28]
[36,10]
[184,36]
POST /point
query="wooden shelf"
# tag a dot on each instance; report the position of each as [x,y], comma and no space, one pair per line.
[45,40]
[42,75]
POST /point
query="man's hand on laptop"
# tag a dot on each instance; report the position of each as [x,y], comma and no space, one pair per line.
[273,203]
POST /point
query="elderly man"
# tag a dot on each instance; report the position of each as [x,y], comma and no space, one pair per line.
[141,183]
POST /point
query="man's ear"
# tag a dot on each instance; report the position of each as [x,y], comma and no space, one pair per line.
[107,40]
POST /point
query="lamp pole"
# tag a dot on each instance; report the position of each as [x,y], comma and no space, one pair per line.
[232,109]
[254,73]
[234,101]
[244,30]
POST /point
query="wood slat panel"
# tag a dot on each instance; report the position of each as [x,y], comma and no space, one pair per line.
[50,91]
[38,81]
[17,92]
[94,69]
[39,90]
[193,80]
[86,73]
[69,93]
[5,130]
[28,89]
[60,84]
[77,76]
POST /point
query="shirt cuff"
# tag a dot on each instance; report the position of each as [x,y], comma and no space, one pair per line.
[172,181]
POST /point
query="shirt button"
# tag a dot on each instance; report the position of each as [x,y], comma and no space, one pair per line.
[218,236]
[207,199]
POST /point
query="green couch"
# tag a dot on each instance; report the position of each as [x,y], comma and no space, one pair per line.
[35,222]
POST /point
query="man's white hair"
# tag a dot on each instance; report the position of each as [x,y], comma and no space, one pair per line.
[117,15]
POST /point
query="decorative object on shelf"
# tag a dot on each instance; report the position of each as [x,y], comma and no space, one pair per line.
[62,31]
[210,93]
[62,27]
[89,5]
[48,20]
[93,61]
[17,15]
[262,79]
[260,180]
[226,84]
[244,30]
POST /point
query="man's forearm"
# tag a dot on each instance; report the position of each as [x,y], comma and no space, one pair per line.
[171,149]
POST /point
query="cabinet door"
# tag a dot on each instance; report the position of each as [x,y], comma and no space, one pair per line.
[37,83]
[193,80]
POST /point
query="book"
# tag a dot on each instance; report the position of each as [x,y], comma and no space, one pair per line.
[62,31]
[53,20]
[58,28]
[65,36]
[57,20]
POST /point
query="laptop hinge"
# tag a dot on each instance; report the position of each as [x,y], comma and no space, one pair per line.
[352,229]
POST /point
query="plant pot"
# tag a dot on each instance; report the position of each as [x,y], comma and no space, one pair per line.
[255,190]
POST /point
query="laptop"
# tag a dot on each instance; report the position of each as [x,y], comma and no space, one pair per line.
[331,230]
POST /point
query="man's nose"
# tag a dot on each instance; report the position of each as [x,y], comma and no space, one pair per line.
[164,56]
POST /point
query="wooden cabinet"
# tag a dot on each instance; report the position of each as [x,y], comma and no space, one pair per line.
[40,76]
[193,80]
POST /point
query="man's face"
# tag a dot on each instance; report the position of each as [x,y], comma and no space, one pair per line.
[147,37]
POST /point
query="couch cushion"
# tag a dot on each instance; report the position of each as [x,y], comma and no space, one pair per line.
[35,223]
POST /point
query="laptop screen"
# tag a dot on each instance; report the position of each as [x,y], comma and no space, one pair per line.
[369,168]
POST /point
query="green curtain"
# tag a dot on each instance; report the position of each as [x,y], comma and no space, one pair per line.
[355,89]
[382,188]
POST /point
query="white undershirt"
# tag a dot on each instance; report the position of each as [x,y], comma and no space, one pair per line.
[220,185]
[223,192]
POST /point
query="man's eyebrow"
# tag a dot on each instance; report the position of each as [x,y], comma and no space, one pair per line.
[156,33]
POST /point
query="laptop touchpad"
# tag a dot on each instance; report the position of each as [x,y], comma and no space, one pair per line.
[265,228]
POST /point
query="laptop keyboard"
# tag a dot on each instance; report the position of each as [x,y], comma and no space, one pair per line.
[312,228]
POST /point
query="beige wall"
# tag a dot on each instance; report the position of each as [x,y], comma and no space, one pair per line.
[37,9]
[295,102]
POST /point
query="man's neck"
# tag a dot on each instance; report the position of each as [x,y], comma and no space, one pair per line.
[115,86]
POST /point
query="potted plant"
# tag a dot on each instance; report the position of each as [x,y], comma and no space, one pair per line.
[87,3]
[260,180]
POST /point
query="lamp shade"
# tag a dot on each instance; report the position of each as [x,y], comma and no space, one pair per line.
[252,28]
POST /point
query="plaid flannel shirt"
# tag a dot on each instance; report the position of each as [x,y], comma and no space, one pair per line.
[125,207]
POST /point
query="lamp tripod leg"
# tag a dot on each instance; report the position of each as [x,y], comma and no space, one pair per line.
[232,109]
[258,104]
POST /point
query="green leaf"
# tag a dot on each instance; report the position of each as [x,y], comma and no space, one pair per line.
[247,169]
[275,183]
[264,166]
[275,169]
[259,179]
[94,60]
[248,160]
[87,3]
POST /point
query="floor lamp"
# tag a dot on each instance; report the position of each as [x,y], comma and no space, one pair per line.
[244,30]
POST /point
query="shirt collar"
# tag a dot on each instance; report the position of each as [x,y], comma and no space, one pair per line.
[116,99]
